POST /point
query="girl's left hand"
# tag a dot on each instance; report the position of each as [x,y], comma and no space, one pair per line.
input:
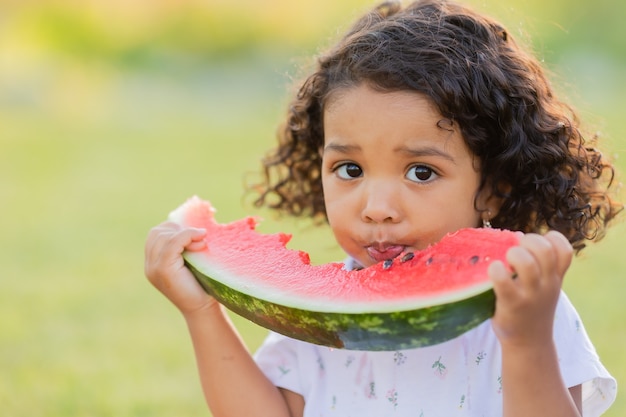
[526,297]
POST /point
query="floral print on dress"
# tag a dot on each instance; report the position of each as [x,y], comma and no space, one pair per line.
[479,358]
[392,396]
[363,363]
[349,360]
[440,368]
[320,364]
[372,390]
[399,358]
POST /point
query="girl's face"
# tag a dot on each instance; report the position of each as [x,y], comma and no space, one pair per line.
[394,181]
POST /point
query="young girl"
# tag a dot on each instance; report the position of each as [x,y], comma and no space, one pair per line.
[422,120]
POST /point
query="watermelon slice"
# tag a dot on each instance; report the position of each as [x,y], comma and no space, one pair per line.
[418,299]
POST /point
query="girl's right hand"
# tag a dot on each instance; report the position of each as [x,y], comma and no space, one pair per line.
[165,268]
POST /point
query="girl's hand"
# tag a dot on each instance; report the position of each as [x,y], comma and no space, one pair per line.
[526,297]
[166,270]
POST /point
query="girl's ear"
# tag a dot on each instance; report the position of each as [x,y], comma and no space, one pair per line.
[489,203]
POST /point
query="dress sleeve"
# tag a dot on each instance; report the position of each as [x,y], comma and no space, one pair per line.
[278,359]
[579,361]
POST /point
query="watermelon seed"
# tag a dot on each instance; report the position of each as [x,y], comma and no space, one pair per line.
[429,261]
[387,263]
[407,257]
[474,259]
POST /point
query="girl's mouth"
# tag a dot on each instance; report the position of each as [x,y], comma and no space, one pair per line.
[382,252]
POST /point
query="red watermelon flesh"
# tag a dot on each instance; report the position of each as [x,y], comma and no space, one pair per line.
[257,270]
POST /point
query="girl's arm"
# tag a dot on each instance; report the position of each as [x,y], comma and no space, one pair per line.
[525,305]
[232,383]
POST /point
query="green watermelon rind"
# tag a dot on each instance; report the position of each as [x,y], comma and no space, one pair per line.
[374,331]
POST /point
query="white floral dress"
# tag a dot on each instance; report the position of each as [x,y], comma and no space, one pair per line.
[461,377]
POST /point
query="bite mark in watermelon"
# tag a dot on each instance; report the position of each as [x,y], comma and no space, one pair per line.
[415,300]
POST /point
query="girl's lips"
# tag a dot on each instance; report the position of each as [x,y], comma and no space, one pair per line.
[383,253]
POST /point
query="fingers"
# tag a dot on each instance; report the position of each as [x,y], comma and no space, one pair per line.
[165,244]
[527,290]
[536,268]
[532,259]
[196,246]
[165,267]
[563,249]
[536,257]
[176,237]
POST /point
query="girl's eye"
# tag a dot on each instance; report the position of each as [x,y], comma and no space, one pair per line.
[421,173]
[348,171]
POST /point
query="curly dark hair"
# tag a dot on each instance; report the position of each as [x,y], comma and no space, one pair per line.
[533,154]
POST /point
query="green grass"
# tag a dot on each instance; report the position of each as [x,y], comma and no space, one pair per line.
[82,333]
[90,159]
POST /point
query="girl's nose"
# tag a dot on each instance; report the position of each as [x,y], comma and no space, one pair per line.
[381,204]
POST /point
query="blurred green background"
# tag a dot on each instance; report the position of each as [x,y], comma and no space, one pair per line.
[112,113]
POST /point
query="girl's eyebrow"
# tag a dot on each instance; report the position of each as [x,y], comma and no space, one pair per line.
[405,150]
[424,151]
[345,149]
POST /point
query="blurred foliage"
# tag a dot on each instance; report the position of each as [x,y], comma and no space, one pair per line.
[151,33]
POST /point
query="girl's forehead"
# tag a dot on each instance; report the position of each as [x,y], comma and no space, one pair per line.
[357,92]
[362,112]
